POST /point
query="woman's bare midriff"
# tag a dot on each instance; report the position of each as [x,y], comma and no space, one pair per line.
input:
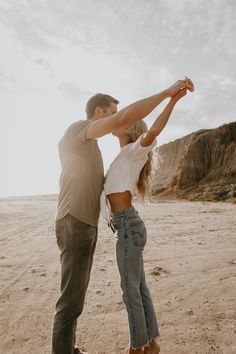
[119,201]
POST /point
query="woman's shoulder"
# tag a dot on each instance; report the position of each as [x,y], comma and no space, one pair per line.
[136,147]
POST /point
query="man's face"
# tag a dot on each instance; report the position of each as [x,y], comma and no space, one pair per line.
[112,109]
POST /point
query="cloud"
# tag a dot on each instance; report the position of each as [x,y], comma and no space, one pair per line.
[45,64]
[72,91]
[56,54]
[6,80]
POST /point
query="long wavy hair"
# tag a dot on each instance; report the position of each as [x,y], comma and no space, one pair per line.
[143,185]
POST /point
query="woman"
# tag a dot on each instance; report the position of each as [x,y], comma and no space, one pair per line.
[131,170]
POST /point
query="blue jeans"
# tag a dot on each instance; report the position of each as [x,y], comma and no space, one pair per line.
[131,239]
[77,242]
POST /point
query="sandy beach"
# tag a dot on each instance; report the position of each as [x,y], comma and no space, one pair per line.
[190,262]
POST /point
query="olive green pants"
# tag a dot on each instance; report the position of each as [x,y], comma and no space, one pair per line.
[76,241]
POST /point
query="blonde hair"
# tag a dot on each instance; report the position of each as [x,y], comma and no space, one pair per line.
[134,132]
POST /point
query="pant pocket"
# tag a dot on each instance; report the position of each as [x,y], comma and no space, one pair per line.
[59,231]
[139,234]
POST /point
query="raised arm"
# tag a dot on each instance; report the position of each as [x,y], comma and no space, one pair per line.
[135,111]
[162,119]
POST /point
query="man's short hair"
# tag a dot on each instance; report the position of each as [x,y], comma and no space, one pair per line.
[99,100]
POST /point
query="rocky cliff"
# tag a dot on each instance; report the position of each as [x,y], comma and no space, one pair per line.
[199,166]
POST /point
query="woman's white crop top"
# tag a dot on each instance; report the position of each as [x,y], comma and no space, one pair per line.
[123,173]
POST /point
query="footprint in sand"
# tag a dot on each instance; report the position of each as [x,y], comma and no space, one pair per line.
[159,271]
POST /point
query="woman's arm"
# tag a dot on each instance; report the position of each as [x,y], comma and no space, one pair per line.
[162,119]
[135,111]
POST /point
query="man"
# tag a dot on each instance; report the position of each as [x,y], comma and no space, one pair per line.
[78,208]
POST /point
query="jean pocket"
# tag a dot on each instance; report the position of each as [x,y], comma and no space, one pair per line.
[139,234]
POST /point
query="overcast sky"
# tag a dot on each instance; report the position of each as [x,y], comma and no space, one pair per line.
[55,54]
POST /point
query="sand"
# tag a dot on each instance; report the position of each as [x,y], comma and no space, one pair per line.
[190,262]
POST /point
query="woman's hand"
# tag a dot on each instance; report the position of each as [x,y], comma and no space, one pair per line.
[180,85]
[180,94]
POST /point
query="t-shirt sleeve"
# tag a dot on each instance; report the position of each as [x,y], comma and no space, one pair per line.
[77,131]
[136,147]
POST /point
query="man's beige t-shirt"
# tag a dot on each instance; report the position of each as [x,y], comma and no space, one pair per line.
[82,175]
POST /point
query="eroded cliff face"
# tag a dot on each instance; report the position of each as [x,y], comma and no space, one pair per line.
[199,166]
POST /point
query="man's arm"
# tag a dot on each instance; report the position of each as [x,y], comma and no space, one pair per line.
[162,119]
[134,112]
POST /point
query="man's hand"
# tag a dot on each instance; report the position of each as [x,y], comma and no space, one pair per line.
[179,85]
